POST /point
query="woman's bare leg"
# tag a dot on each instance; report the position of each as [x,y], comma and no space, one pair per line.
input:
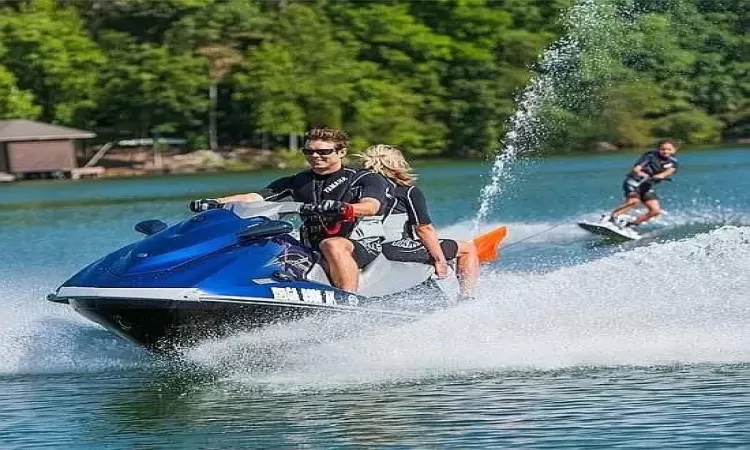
[467,266]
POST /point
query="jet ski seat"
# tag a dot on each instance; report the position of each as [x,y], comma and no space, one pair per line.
[385,277]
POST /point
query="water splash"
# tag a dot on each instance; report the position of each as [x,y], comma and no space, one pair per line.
[684,313]
[37,336]
[599,313]
[560,81]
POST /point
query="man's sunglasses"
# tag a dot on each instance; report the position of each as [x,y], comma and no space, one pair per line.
[319,151]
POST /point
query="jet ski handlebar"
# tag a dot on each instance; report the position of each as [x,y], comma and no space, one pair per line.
[272,210]
[336,213]
[336,210]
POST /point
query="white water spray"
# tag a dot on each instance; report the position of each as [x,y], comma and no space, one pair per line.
[37,336]
[674,303]
[557,83]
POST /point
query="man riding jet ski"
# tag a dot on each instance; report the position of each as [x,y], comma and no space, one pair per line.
[238,264]
[345,207]
[236,268]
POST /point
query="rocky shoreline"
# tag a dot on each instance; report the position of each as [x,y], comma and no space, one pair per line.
[145,161]
[149,162]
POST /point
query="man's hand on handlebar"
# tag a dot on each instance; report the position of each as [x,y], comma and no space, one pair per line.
[204,204]
[331,208]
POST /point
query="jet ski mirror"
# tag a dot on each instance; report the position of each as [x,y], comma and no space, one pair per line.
[266,229]
[149,227]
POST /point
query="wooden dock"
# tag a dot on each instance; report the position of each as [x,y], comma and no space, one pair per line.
[87,172]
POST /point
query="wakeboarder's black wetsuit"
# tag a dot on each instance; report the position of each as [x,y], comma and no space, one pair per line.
[651,163]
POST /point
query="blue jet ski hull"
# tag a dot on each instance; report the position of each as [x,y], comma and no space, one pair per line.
[217,273]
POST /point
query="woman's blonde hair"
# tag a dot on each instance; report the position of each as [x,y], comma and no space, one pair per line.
[387,160]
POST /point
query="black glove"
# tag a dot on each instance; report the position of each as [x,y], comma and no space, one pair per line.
[204,204]
[326,207]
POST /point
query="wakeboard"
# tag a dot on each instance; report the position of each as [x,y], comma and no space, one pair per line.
[610,230]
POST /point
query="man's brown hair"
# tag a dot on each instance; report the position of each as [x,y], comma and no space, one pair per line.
[666,141]
[339,138]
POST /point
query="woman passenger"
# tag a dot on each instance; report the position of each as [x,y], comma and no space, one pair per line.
[420,242]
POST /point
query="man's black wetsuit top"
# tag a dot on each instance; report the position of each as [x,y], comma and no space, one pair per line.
[651,163]
[345,185]
[411,201]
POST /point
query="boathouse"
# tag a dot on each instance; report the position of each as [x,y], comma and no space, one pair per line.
[30,149]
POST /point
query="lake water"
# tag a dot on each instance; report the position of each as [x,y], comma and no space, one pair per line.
[572,343]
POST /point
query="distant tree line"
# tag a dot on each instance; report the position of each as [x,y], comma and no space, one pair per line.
[436,77]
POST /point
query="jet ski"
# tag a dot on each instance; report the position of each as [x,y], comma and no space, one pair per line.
[235,268]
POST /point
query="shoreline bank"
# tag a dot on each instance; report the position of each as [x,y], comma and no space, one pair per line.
[142,162]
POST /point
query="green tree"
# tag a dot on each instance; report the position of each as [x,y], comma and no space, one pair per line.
[299,76]
[14,102]
[490,52]
[268,85]
[220,32]
[384,112]
[143,20]
[149,91]
[692,126]
[405,54]
[51,56]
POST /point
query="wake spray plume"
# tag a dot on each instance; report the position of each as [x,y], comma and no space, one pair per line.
[560,81]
